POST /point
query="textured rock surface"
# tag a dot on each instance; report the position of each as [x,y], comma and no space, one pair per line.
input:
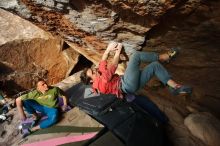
[104,20]
[15,28]
[198,64]
[204,126]
[28,52]
[144,7]
[16,6]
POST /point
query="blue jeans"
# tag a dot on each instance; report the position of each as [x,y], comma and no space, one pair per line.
[32,106]
[135,78]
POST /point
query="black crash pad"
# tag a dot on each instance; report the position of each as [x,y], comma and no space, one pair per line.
[129,123]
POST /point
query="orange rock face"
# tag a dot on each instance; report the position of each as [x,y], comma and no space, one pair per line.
[25,61]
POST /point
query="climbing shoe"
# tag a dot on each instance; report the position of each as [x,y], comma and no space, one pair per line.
[172,53]
[26,125]
[180,89]
[26,132]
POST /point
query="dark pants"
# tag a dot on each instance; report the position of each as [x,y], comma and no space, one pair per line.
[32,106]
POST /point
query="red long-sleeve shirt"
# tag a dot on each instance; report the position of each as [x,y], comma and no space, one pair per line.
[107,82]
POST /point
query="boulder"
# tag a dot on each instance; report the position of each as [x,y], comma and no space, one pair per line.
[28,53]
[205,127]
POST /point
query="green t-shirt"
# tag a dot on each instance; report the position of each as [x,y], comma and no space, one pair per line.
[49,98]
